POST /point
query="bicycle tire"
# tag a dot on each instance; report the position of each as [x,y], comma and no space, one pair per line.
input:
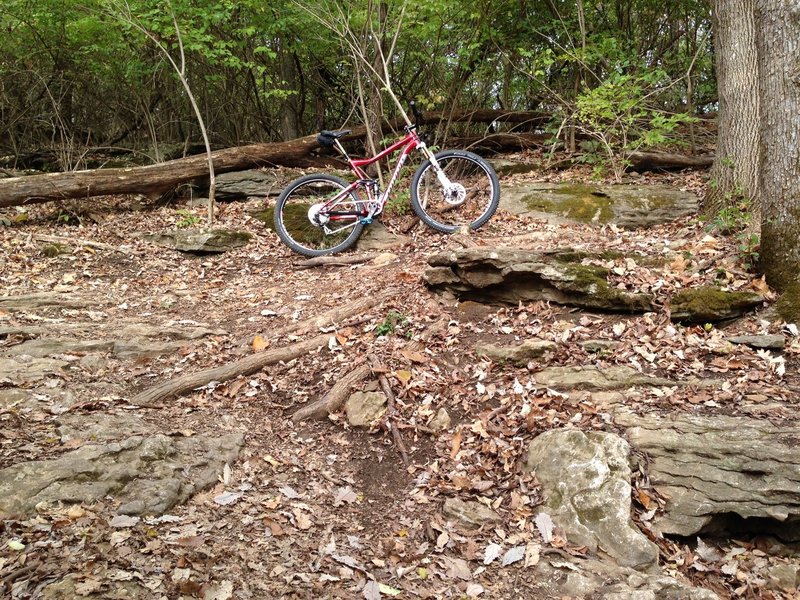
[293,225]
[480,185]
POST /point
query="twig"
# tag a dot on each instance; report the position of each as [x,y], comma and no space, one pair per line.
[79,242]
[390,408]
[338,261]
[335,397]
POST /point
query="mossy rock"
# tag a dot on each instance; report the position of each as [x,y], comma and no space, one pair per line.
[709,304]
[201,241]
[788,305]
[53,250]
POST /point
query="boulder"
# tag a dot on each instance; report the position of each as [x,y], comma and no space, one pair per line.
[512,275]
[586,486]
[250,184]
[149,474]
[440,421]
[376,237]
[364,408]
[721,473]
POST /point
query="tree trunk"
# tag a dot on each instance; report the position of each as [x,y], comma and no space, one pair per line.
[778,42]
[734,174]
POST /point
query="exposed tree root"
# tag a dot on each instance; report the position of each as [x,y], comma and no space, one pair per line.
[327,261]
[336,396]
[388,420]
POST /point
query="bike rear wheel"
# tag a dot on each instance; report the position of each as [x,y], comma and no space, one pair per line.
[306,227]
[471,200]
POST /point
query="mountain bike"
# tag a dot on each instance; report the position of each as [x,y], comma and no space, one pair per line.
[321,214]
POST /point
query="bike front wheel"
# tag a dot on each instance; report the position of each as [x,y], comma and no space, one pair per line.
[310,224]
[471,198]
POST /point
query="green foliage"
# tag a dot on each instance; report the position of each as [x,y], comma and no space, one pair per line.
[735,219]
[390,324]
[621,117]
[188,219]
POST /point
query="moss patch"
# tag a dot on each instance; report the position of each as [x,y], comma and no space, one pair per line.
[53,250]
[578,202]
[788,305]
[710,304]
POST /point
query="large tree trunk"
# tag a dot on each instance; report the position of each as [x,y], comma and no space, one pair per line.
[778,42]
[734,174]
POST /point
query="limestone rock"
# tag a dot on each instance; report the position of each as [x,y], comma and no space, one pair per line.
[469,513]
[200,241]
[517,354]
[250,184]
[364,408]
[594,378]
[42,299]
[440,421]
[512,275]
[376,237]
[586,485]
[25,369]
[149,474]
[772,342]
[626,205]
[101,427]
[708,304]
[600,346]
[558,577]
[717,472]
[505,167]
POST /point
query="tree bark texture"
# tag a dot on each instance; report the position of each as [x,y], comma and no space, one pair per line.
[735,171]
[778,40]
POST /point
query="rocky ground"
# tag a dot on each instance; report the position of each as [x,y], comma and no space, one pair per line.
[612,419]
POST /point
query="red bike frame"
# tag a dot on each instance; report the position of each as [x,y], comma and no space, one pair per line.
[410,142]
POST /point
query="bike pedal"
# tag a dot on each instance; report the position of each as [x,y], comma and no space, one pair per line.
[366,220]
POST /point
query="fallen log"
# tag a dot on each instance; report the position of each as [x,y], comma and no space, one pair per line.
[647,161]
[154,180]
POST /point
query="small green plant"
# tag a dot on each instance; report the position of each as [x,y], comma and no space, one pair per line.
[390,323]
[622,116]
[188,219]
[399,204]
[735,220]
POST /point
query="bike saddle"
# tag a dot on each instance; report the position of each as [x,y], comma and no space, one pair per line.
[327,138]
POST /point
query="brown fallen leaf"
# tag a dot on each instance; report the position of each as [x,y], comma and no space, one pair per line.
[260,343]
[455,445]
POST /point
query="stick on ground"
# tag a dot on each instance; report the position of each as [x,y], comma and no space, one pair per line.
[390,408]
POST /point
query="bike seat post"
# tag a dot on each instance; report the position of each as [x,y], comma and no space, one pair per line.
[341,149]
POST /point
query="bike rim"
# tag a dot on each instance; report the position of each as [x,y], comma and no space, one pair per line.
[446,209]
[299,228]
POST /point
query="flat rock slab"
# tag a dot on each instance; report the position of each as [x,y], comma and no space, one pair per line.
[717,470]
[512,275]
[594,378]
[519,353]
[149,474]
[199,241]
[563,577]
[100,427]
[469,513]
[585,481]
[766,341]
[26,369]
[125,349]
[709,304]
[43,299]
[629,206]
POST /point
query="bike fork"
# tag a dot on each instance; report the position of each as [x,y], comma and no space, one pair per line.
[440,176]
